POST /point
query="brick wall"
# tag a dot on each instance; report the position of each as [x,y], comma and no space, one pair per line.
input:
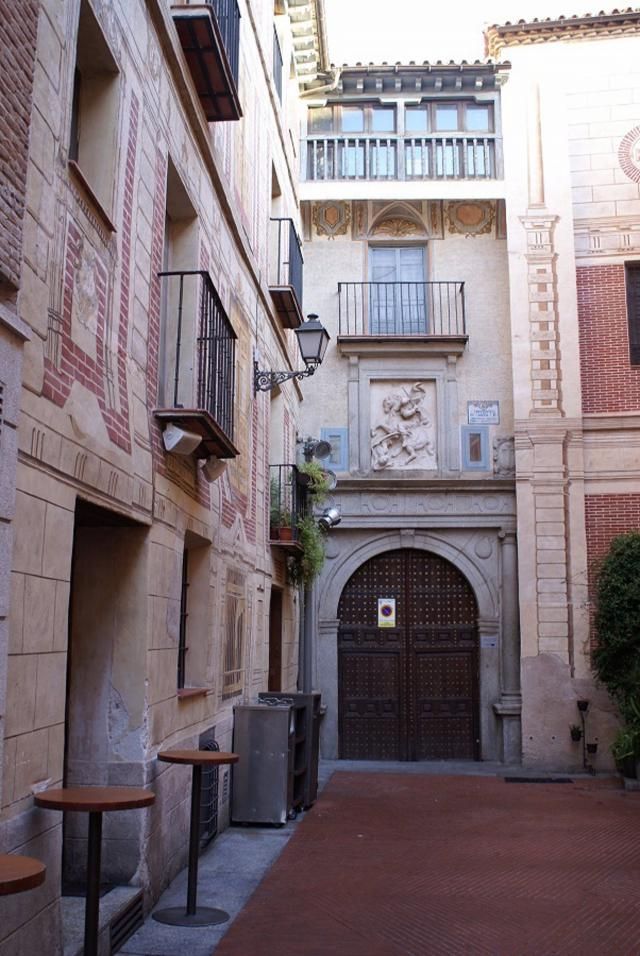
[609,382]
[18,28]
[607,516]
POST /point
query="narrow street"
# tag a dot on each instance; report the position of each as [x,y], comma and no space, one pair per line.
[416,864]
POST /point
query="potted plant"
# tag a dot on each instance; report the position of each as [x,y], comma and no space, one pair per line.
[626,751]
[576,732]
[284,525]
[315,478]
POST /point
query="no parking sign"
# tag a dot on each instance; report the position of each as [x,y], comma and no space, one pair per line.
[386,612]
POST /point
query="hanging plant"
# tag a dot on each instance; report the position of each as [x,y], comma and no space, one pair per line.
[316,480]
[307,565]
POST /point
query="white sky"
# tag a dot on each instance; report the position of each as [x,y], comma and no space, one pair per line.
[402,30]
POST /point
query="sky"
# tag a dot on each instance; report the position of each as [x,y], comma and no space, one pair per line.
[373,31]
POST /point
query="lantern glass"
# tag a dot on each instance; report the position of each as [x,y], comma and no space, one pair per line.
[313,339]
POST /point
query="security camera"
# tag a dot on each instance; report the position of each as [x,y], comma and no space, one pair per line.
[212,468]
[329,518]
[179,441]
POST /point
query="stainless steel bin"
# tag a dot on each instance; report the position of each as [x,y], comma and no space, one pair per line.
[263,777]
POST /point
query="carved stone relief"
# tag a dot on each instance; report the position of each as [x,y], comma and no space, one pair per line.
[470,218]
[396,228]
[629,154]
[331,218]
[504,457]
[403,416]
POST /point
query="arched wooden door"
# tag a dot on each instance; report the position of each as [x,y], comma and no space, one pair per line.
[408,692]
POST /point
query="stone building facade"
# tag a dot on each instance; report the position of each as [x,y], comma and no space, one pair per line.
[149,280]
[509,452]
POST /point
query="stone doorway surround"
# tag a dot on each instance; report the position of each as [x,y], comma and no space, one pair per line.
[482,546]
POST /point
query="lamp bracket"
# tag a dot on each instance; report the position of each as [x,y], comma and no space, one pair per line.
[264,381]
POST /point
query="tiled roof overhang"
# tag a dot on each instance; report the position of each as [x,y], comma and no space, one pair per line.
[586,27]
[375,79]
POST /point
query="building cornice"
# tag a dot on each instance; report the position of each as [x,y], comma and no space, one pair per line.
[585,27]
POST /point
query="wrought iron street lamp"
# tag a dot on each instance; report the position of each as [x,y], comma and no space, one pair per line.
[313,339]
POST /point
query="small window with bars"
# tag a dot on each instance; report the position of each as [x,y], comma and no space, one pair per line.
[632,276]
[235,624]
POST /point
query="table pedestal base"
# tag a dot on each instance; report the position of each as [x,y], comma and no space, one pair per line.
[204,916]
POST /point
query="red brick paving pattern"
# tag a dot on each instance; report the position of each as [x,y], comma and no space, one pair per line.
[394,865]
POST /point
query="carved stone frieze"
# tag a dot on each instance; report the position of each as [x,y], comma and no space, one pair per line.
[402,426]
[397,228]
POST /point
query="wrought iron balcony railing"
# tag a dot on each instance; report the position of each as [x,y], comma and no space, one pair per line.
[198,362]
[370,157]
[287,504]
[434,309]
[285,272]
[209,32]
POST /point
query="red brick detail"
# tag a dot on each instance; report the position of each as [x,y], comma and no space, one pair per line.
[18,31]
[609,382]
[75,364]
[606,516]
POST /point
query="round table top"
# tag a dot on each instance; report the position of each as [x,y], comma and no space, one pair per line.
[198,757]
[94,799]
[18,873]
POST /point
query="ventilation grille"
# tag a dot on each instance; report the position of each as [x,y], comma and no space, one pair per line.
[210,788]
[126,923]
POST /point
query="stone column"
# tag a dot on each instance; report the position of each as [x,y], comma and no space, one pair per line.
[509,707]
[326,681]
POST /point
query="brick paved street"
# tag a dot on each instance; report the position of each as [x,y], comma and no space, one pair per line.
[391,864]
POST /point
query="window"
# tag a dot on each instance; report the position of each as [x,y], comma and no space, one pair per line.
[194,668]
[338,460]
[397,300]
[449,117]
[632,276]
[471,122]
[363,118]
[94,110]
[475,448]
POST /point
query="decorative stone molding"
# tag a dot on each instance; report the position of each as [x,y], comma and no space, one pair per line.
[546,393]
[397,228]
[331,218]
[470,218]
[504,457]
[402,426]
[598,238]
[629,154]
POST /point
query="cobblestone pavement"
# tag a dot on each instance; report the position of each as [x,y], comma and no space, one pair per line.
[400,865]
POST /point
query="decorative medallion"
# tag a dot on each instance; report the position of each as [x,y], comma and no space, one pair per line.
[504,457]
[629,155]
[396,228]
[331,218]
[470,218]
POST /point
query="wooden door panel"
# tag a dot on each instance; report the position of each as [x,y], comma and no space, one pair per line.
[371,724]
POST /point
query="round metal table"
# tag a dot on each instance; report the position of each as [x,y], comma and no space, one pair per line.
[20,873]
[95,801]
[206,915]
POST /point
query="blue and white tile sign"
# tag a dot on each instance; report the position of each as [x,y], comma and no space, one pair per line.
[483,413]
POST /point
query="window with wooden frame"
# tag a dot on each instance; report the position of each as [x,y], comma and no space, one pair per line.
[461,132]
[352,118]
[632,279]
[449,116]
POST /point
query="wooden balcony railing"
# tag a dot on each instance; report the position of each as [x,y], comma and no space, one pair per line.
[198,364]
[370,157]
[433,309]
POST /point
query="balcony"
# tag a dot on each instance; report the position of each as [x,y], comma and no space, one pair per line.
[287,505]
[198,363]
[209,32]
[285,272]
[425,310]
[408,158]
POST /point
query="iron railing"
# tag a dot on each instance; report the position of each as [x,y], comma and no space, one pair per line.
[277,64]
[199,360]
[286,263]
[401,308]
[404,158]
[287,503]
[227,14]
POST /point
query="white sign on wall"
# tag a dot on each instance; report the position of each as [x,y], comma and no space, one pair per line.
[483,413]
[386,612]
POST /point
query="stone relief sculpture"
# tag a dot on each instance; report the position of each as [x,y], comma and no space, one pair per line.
[504,457]
[402,432]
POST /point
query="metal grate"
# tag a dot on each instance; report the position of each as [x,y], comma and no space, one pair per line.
[126,923]
[209,795]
